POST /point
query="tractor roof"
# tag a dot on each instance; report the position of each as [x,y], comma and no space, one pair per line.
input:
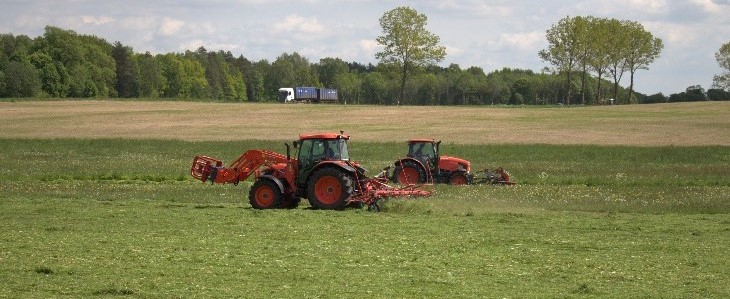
[323,136]
[418,140]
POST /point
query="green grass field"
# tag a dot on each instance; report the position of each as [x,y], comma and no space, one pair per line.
[623,202]
[122,218]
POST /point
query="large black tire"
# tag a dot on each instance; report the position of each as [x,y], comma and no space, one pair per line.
[409,172]
[264,194]
[329,188]
[458,178]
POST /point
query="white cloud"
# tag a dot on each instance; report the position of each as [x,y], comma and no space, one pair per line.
[296,23]
[523,41]
[139,23]
[192,45]
[170,26]
[369,46]
[450,50]
[650,5]
[622,8]
[96,20]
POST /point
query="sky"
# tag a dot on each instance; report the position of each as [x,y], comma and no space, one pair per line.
[487,34]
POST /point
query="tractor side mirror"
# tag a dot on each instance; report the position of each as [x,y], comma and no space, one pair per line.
[295,144]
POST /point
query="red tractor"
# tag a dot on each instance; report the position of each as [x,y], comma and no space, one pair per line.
[423,164]
[322,173]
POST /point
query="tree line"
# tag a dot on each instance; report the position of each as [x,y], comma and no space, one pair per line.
[64,64]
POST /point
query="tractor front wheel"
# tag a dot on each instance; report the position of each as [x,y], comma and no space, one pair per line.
[458,178]
[329,188]
[408,172]
[264,194]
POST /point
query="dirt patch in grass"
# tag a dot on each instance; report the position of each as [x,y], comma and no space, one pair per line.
[678,124]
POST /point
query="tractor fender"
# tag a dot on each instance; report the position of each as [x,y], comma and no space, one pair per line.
[275,180]
[414,160]
[343,166]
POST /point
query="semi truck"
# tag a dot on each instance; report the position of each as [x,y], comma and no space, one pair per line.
[307,95]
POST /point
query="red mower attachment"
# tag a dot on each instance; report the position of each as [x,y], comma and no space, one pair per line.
[377,188]
[498,176]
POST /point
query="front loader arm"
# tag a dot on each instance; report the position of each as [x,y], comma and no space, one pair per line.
[205,168]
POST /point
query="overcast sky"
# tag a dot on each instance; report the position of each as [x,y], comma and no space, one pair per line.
[488,34]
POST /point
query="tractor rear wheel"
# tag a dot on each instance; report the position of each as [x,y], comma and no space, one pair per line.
[408,172]
[264,194]
[458,178]
[329,188]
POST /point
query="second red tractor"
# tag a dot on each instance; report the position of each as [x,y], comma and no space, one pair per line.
[424,164]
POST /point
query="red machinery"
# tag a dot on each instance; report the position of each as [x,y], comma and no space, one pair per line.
[423,163]
[322,173]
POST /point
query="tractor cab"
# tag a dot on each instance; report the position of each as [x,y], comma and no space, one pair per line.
[318,148]
[425,151]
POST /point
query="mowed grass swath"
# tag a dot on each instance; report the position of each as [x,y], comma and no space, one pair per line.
[88,217]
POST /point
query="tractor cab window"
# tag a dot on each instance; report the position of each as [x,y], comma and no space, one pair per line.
[305,151]
[424,152]
[340,146]
[323,149]
[421,149]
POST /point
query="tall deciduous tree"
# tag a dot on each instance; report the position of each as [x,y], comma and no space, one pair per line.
[564,49]
[722,81]
[643,49]
[604,32]
[407,44]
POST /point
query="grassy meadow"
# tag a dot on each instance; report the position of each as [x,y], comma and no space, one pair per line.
[84,215]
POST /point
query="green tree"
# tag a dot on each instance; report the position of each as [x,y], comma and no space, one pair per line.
[564,49]
[293,70]
[127,71]
[604,43]
[53,75]
[375,88]
[185,76]
[152,82]
[722,56]
[252,78]
[407,44]
[256,81]
[87,59]
[643,49]
[19,79]
[427,90]
[348,86]
[329,68]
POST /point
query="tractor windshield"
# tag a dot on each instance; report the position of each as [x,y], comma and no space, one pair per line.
[421,150]
[324,149]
